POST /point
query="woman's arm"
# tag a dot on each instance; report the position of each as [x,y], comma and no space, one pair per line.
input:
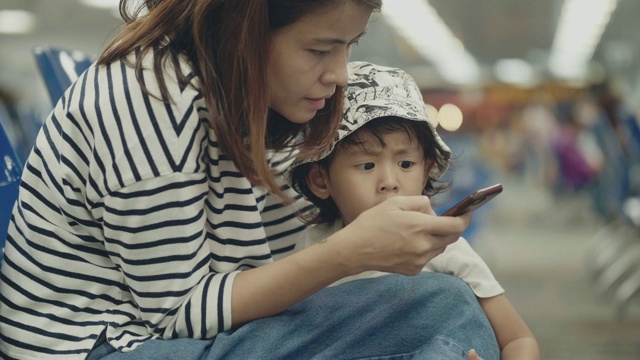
[399,235]
[514,337]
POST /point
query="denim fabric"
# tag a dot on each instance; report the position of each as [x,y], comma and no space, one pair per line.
[428,316]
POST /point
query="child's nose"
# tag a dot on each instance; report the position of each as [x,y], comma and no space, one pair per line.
[388,181]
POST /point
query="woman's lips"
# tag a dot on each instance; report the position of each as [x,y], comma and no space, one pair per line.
[317,103]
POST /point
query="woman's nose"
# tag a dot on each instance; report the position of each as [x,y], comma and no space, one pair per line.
[336,72]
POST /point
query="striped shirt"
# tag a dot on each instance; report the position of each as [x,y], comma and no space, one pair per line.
[130,222]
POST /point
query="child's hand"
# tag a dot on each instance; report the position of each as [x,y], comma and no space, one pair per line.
[473,355]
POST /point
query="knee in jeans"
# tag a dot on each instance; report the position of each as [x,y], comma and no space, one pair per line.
[452,286]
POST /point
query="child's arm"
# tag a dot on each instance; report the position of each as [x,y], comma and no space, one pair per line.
[514,337]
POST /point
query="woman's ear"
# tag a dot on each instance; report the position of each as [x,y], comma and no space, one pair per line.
[317,180]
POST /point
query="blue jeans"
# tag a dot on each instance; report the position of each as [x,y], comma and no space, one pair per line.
[428,316]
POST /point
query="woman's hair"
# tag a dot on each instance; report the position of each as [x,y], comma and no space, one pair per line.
[326,211]
[227,42]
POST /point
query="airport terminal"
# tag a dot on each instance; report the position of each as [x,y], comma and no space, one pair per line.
[542,97]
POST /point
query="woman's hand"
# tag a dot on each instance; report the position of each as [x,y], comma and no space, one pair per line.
[399,235]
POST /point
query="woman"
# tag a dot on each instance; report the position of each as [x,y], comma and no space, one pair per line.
[151,207]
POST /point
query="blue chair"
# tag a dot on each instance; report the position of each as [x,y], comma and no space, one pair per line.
[10,171]
[60,68]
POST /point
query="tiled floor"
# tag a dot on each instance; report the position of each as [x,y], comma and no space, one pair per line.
[536,247]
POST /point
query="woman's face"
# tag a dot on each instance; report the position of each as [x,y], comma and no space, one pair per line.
[308,58]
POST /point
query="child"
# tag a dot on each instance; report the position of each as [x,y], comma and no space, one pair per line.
[387,147]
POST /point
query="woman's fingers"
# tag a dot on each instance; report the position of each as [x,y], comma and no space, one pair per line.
[401,235]
[419,209]
[412,203]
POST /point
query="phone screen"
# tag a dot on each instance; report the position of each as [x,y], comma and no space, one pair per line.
[474,201]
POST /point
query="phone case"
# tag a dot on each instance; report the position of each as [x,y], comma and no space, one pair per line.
[474,201]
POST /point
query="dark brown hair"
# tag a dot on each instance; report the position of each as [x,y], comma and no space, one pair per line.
[326,211]
[227,42]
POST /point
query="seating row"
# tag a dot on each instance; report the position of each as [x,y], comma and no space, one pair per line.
[613,255]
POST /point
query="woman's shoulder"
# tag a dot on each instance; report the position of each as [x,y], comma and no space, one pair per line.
[156,70]
[120,92]
[122,116]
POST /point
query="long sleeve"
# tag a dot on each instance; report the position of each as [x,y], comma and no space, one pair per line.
[130,222]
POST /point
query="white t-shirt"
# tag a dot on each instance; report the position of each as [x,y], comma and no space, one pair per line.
[458,259]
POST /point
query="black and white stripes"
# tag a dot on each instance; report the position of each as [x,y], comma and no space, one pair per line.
[131,222]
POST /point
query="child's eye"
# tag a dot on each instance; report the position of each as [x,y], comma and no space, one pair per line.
[406,164]
[367,166]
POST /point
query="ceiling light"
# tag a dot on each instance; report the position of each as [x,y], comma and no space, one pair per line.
[432,114]
[514,71]
[419,23]
[16,22]
[102,4]
[113,6]
[580,28]
[450,117]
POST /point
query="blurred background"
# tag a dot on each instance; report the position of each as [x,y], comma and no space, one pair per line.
[541,96]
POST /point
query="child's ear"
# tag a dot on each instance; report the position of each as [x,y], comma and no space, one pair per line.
[427,170]
[317,180]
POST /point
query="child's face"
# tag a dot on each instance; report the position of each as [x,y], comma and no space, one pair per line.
[360,179]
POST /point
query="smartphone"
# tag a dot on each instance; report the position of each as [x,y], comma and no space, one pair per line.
[474,201]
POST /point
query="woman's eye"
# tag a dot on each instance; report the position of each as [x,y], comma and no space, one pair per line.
[406,164]
[320,52]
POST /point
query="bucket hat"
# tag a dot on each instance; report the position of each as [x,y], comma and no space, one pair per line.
[376,91]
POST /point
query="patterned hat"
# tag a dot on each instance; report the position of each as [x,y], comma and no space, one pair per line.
[376,91]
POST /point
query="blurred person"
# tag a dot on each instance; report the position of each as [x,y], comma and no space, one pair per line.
[585,115]
[578,168]
[540,126]
[626,127]
[392,150]
[621,119]
[496,146]
[153,220]
[610,124]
